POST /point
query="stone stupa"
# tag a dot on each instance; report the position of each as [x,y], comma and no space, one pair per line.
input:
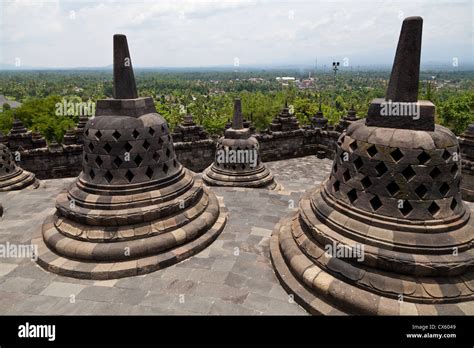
[69,138]
[19,138]
[12,177]
[238,143]
[387,233]
[134,208]
[318,121]
[285,121]
[347,120]
[39,142]
[189,131]
[79,129]
[467,161]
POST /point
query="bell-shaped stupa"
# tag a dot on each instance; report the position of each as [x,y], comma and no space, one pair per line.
[134,208]
[237,161]
[387,233]
[467,160]
[12,177]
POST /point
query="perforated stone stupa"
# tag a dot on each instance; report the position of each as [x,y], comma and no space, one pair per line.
[134,208]
[387,233]
[237,161]
[12,177]
[467,157]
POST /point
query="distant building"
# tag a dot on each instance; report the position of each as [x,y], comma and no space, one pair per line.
[4,100]
[256,80]
[306,83]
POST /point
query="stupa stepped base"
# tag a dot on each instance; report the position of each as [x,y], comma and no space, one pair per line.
[328,285]
[258,178]
[18,181]
[98,252]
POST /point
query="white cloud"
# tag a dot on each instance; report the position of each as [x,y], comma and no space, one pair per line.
[203,33]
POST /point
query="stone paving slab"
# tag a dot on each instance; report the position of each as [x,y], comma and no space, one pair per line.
[232,276]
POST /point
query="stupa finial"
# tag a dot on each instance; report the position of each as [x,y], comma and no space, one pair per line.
[403,85]
[237,122]
[124,79]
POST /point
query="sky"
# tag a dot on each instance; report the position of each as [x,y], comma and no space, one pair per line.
[65,34]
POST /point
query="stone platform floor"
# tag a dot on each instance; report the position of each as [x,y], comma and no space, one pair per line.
[233,276]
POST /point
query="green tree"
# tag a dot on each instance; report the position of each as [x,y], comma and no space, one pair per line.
[457,112]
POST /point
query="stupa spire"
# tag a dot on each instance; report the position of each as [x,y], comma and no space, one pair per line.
[403,85]
[238,121]
[401,108]
[124,79]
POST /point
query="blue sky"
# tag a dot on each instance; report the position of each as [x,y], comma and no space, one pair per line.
[213,33]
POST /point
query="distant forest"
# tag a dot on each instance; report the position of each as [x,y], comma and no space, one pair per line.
[209,95]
